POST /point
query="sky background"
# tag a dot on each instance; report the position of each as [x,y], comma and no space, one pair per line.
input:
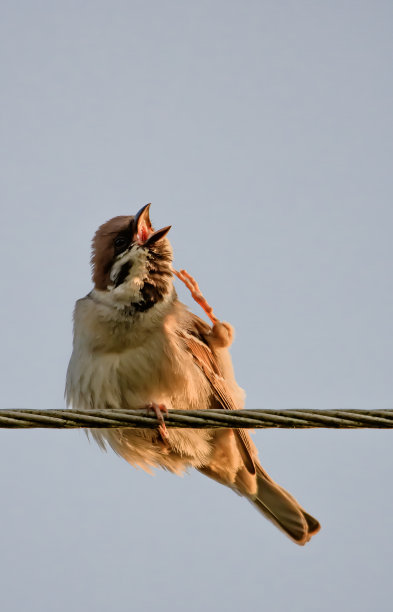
[262,131]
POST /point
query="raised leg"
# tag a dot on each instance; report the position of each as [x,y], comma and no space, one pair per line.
[196,293]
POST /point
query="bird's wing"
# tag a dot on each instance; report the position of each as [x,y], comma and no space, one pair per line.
[197,342]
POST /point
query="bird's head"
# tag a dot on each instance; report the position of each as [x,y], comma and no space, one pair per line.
[131,261]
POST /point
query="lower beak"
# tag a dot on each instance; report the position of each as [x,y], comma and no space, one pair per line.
[158,235]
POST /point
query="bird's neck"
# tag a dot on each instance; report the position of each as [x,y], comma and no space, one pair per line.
[132,303]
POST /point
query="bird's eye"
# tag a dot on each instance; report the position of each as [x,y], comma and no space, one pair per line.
[120,243]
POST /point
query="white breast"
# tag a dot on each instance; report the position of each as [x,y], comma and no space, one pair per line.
[116,364]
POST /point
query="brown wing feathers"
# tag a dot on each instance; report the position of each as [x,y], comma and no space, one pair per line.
[197,344]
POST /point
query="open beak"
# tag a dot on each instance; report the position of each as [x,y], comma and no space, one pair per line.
[145,234]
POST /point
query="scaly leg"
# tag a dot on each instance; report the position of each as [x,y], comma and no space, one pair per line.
[159,410]
[196,293]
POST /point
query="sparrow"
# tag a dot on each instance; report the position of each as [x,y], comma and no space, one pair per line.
[136,345]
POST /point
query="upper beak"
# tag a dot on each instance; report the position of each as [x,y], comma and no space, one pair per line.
[145,234]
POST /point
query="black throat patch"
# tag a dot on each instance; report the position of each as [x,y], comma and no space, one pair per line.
[159,280]
[151,295]
[158,285]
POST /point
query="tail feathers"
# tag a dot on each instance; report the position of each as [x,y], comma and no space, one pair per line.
[313,525]
[283,510]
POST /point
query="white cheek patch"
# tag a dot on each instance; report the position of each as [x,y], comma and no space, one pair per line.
[129,290]
[117,266]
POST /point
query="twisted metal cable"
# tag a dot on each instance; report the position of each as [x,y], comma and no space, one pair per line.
[199,419]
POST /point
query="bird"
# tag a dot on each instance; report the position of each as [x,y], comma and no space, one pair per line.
[136,346]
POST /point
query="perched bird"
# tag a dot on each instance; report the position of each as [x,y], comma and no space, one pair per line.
[136,345]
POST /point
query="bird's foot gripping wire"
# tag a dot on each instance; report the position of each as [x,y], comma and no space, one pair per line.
[159,410]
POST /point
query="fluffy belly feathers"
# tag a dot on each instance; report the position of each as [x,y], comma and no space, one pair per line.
[132,368]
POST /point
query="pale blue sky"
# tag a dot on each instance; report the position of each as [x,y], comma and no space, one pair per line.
[262,131]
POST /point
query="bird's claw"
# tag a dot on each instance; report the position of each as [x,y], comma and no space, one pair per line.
[159,410]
